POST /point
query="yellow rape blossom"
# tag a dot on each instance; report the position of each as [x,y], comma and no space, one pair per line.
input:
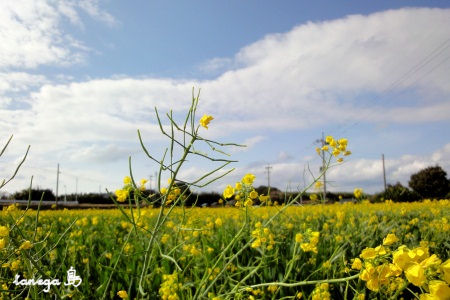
[264,198]
[357,264]
[165,238]
[142,183]
[238,186]
[253,195]
[358,193]
[122,294]
[336,152]
[2,243]
[127,180]
[390,239]
[313,197]
[204,121]
[26,245]
[248,179]
[228,192]
[4,231]
[169,287]
[445,267]
[121,195]
[343,142]
[439,289]
[416,274]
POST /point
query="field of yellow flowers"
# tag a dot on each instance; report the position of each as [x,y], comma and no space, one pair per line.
[337,251]
[237,251]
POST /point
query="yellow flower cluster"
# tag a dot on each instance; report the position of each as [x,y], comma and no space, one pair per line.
[308,241]
[244,193]
[26,245]
[358,192]
[4,233]
[172,194]
[228,192]
[11,208]
[321,292]
[335,147]
[394,270]
[213,273]
[204,121]
[123,193]
[390,239]
[122,294]
[263,237]
[13,266]
[2,243]
[170,287]
[377,276]
[313,197]
[416,263]
[191,249]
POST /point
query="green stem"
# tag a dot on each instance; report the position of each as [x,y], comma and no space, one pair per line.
[301,283]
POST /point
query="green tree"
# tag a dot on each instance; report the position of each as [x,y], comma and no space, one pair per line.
[430,182]
[35,194]
[397,193]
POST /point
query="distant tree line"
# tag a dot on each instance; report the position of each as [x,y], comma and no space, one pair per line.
[431,182]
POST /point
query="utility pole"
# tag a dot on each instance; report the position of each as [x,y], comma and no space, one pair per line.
[65,194]
[57,183]
[268,167]
[323,169]
[384,172]
[150,182]
[76,189]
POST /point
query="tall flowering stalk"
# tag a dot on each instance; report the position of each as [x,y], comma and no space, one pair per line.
[182,136]
[186,136]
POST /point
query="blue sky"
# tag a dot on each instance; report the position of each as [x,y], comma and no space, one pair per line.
[79,77]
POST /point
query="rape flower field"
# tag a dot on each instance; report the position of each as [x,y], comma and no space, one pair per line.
[237,251]
[351,250]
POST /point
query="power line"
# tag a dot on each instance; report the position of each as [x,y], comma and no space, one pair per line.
[436,52]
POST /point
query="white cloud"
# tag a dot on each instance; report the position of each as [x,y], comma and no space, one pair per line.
[283,156]
[100,153]
[19,81]
[92,8]
[31,32]
[250,143]
[289,78]
[315,74]
[217,64]
[287,81]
